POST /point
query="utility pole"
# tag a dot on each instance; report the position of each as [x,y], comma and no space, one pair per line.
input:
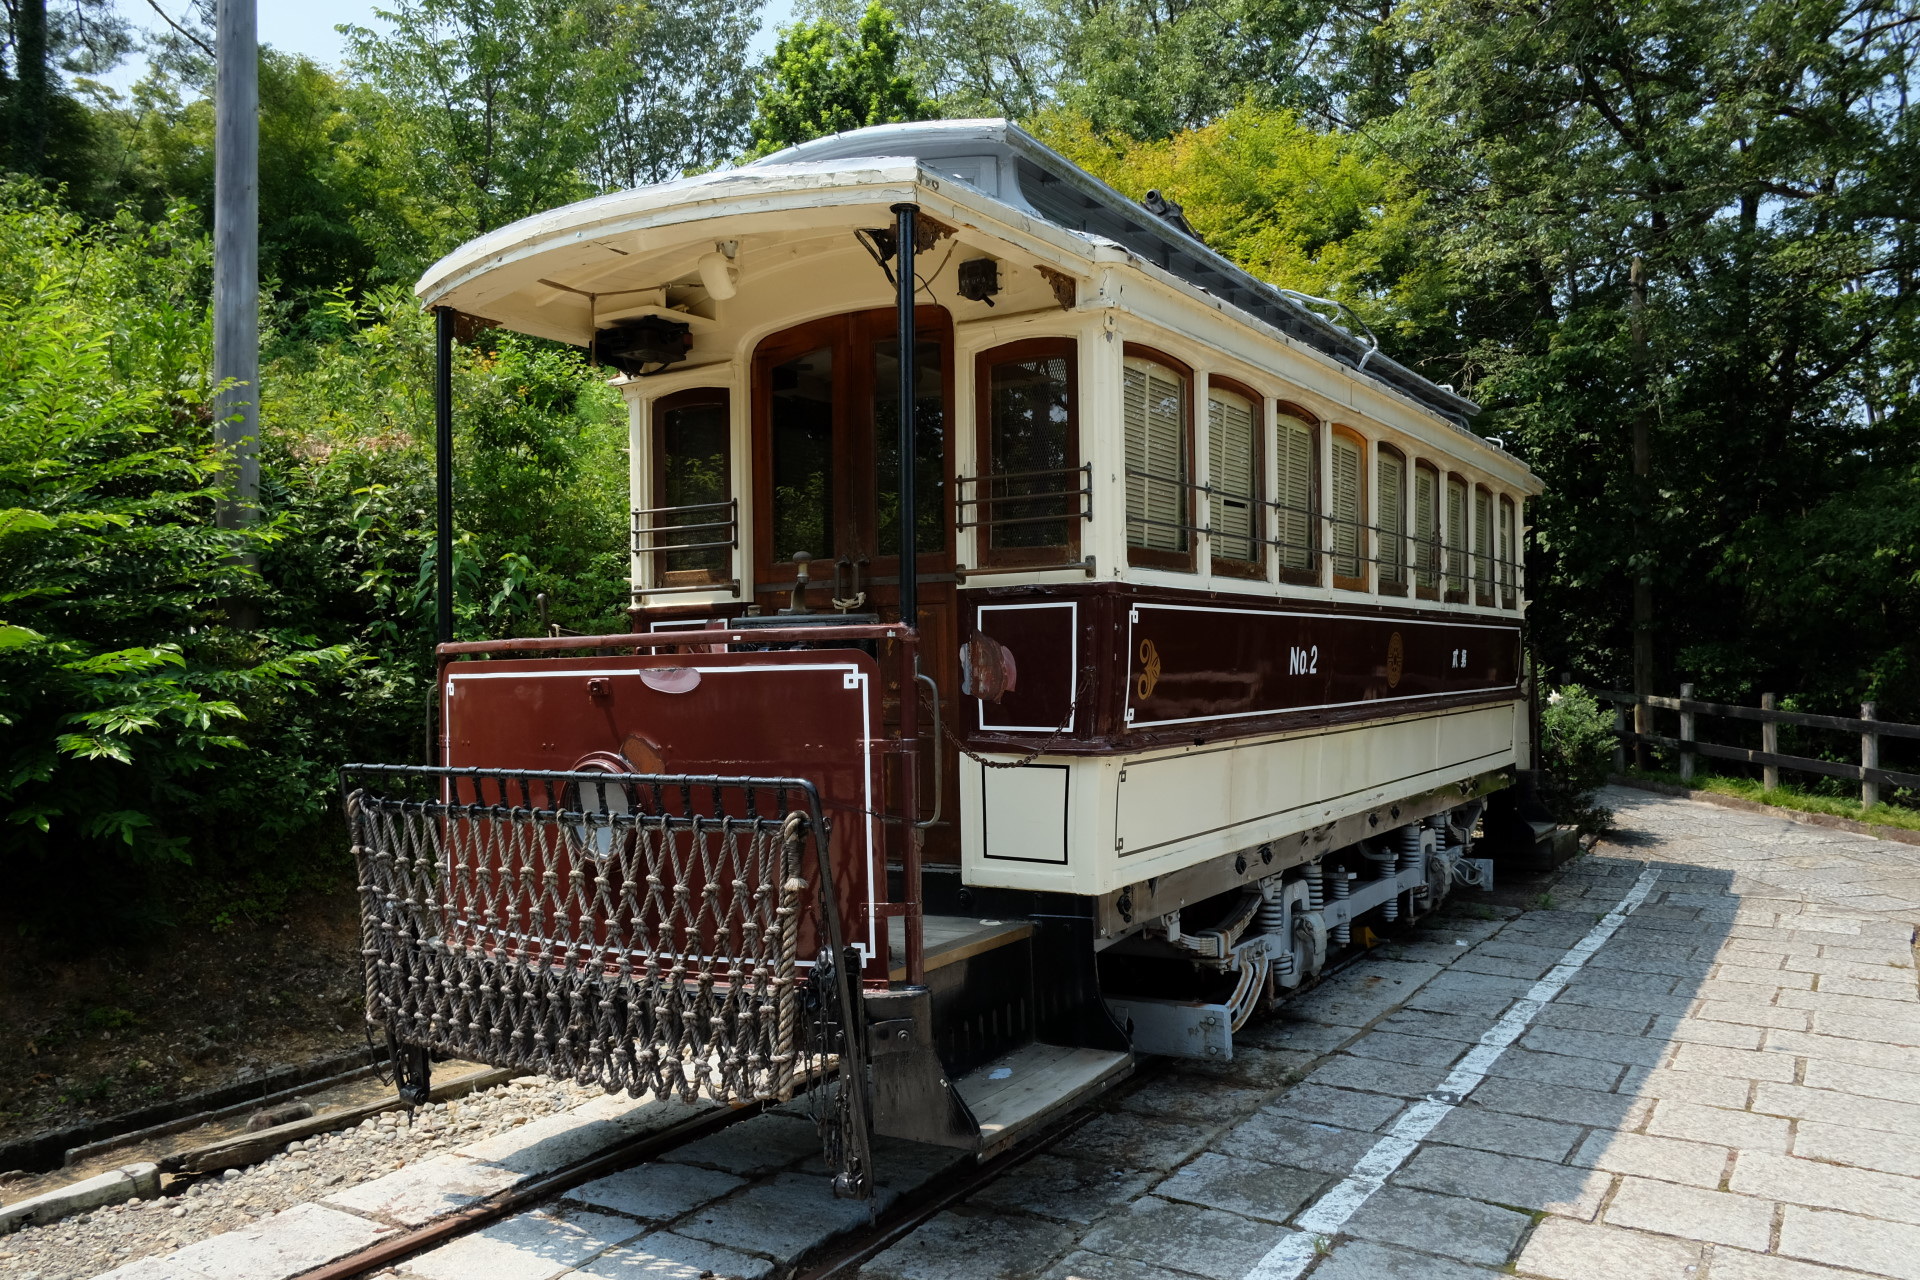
[236,264]
[1642,504]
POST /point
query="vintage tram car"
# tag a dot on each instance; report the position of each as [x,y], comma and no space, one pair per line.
[1205,661]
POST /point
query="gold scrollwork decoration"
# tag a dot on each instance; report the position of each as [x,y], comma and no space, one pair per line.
[1150,671]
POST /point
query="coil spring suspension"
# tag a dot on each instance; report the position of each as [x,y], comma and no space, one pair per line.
[1342,933]
[1316,887]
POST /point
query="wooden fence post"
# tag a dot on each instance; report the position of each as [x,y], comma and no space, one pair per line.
[1686,737]
[1770,744]
[1869,759]
[1619,738]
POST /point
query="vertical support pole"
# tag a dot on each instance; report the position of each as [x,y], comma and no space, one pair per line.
[907,283]
[1619,738]
[1769,745]
[1869,759]
[236,260]
[1686,736]
[443,472]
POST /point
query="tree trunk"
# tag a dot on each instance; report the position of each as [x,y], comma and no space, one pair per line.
[1642,501]
[33,98]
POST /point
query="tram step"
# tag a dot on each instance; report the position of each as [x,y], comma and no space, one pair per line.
[1017,1093]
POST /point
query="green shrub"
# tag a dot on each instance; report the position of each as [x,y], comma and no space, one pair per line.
[1576,752]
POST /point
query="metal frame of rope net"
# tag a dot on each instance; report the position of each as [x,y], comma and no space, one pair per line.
[619,990]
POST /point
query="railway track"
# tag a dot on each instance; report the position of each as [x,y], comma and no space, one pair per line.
[837,1259]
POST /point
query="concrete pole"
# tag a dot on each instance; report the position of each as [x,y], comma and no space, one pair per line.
[236,258]
[1769,745]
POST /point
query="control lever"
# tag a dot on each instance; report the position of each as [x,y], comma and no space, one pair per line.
[800,581]
[855,598]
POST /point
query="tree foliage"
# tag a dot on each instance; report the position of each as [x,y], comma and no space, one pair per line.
[823,79]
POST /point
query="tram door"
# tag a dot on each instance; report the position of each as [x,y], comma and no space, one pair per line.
[826,404]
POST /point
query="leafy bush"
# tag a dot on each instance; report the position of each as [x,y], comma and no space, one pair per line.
[1576,750]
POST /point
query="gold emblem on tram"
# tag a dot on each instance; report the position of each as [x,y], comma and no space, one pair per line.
[1396,660]
[1150,671]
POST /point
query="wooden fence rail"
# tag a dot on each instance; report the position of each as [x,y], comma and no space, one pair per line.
[1867,773]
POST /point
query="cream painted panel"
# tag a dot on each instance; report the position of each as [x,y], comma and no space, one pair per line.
[1024,814]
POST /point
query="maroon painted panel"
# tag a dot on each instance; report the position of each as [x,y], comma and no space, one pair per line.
[1159,666]
[1200,663]
[810,714]
[1043,637]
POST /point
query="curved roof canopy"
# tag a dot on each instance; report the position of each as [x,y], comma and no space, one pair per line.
[995,159]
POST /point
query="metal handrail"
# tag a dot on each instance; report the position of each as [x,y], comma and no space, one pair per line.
[648,528]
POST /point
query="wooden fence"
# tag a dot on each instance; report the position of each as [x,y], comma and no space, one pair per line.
[1868,772]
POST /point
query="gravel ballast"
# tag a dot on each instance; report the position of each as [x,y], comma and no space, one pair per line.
[87,1244]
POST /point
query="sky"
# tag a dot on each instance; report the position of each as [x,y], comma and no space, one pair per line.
[307,26]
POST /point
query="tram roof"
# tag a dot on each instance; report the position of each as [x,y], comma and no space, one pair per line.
[992,157]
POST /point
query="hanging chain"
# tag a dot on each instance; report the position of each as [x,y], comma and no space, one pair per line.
[1073,706]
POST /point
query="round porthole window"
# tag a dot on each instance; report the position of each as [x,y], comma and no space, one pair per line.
[593,834]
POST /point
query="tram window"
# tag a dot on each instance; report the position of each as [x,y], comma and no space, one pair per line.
[691,483]
[1030,504]
[1233,471]
[1154,399]
[1509,562]
[1483,545]
[1426,531]
[802,439]
[930,448]
[1456,538]
[1297,511]
[1390,518]
[1349,510]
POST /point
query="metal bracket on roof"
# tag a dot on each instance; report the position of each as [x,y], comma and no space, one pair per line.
[1308,299]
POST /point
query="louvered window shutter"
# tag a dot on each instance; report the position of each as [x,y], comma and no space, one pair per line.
[1507,573]
[1155,407]
[1483,541]
[1390,505]
[1347,541]
[1426,527]
[1297,518]
[1456,536]
[1230,470]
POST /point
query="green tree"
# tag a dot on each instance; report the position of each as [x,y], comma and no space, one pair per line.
[824,79]
[1756,158]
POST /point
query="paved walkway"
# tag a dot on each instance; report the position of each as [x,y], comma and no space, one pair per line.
[1725,1086]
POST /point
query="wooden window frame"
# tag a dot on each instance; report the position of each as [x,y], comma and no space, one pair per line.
[1230,566]
[1149,557]
[1439,543]
[1485,573]
[1465,594]
[1402,585]
[687,398]
[1340,581]
[1309,576]
[983,366]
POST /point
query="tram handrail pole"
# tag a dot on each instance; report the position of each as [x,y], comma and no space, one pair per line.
[906,284]
[443,471]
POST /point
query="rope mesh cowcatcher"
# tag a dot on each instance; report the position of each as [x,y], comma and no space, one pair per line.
[636,932]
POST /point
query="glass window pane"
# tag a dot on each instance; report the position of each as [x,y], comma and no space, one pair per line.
[1030,419]
[1294,505]
[1156,427]
[692,478]
[929,449]
[1347,513]
[802,428]
[1389,501]
[1231,455]
[1456,534]
[1426,528]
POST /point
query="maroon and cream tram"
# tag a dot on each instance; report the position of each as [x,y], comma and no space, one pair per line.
[1206,657]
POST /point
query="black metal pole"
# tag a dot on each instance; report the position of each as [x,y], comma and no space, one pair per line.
[443,470]
[909,544]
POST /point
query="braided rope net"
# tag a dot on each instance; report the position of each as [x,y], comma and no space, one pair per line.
[595,928]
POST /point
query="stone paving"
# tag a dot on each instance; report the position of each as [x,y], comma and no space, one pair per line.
[1728,1089]
[1725,1086]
